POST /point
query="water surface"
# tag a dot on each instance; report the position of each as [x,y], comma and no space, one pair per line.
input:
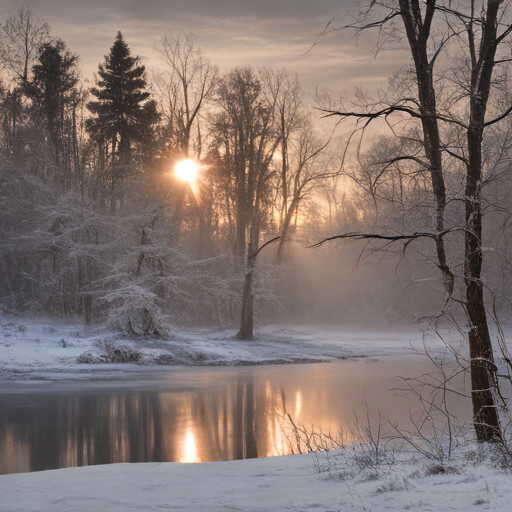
[196,414]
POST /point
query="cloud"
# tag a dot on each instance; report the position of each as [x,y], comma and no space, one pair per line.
[159,9]
[232,32]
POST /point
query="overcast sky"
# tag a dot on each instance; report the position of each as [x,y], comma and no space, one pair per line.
[232,32]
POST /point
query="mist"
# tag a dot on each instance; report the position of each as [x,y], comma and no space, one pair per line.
[339,285]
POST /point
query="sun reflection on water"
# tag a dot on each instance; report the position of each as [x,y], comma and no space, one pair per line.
[189,448]
[224,415]
[298,404]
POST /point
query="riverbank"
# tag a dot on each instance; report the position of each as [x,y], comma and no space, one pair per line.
[51,349]
[470,480]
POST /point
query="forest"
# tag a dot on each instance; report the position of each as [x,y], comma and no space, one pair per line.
[186,196]
[96,222]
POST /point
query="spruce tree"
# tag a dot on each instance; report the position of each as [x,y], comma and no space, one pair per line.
[121,113]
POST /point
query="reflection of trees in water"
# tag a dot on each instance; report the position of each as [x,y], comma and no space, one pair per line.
[237,417]
[48,432]
[244,421]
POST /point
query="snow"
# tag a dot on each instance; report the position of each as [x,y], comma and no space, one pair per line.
[45,349]
[290,483]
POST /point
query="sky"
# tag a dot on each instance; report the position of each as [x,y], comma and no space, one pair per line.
[232,32]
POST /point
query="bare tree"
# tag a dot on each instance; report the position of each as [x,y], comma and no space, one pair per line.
[286,91]
[250,142]
[303,171]
[477,29]
[20,39]
[188,84]
[299,145]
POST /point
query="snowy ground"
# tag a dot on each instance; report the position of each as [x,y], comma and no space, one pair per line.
[290,483]
[35,349]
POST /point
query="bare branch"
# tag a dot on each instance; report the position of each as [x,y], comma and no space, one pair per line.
[385,112]
[372,236]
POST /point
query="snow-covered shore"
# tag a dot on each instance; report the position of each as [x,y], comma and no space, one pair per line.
[290,483]
[33,349]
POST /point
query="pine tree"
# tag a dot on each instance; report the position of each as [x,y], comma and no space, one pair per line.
[121,113]
[53,89]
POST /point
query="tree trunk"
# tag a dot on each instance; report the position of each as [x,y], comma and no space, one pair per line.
[241,206]
[417,35]
[247,318]
[483,369]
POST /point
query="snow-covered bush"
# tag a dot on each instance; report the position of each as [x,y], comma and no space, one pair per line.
[131,308]
[111,353]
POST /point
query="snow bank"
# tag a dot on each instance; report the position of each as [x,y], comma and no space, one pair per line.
[290,483]
[32,349]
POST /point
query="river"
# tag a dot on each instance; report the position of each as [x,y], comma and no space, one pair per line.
[188,414]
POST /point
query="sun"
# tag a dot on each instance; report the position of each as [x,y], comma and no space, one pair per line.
[186,170]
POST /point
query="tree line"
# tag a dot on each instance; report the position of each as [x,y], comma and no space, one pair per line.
[95,221]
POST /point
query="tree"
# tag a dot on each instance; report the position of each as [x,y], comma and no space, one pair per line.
[299,147]
[53,90]
[122,113]
[287,91]
[21,36]
[301,172]
[188,84]
[249,141]
[454,111]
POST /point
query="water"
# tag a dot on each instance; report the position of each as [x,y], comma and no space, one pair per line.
[195,414]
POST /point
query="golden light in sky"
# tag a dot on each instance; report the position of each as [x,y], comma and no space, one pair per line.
[186,170]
